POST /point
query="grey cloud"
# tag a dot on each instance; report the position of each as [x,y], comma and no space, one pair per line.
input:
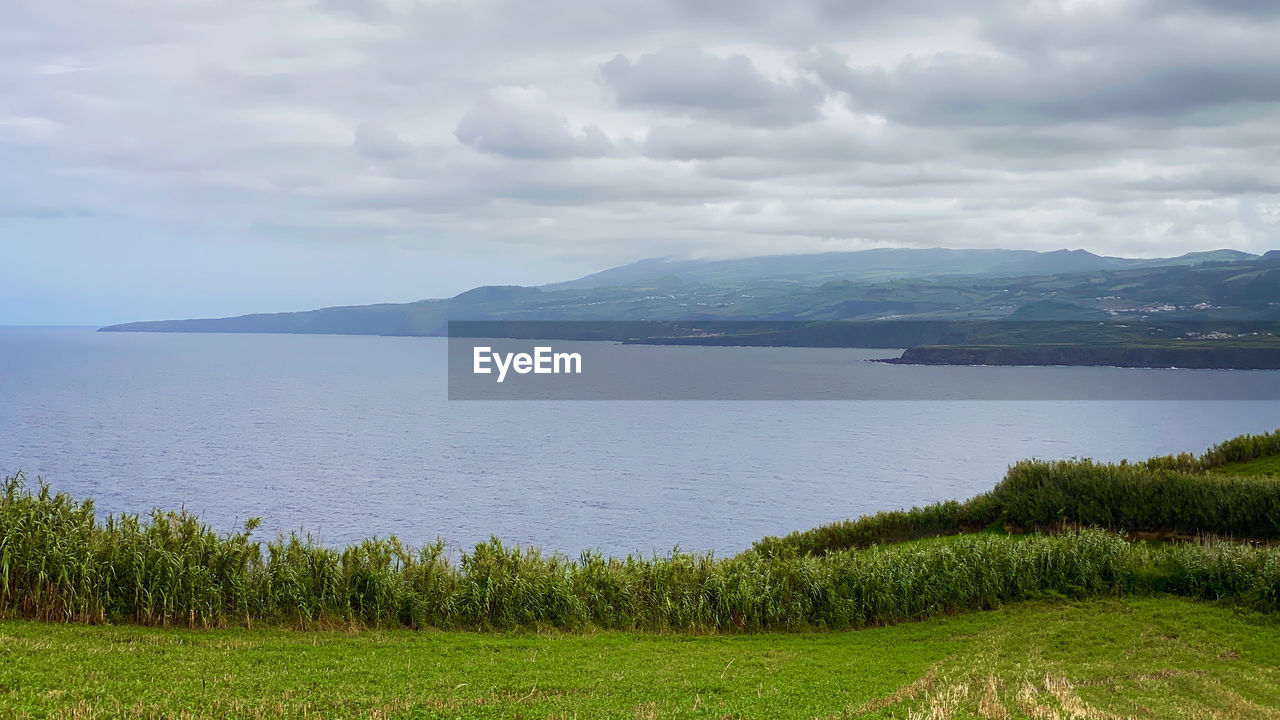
[366,10]
[519,123]
[1134,61]
[969,90]
[685,79]
[815,143]
[1258,8]
[462,186]
[377,141]
[1215,182]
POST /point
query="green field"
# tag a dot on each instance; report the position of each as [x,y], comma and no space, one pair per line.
[1146,658]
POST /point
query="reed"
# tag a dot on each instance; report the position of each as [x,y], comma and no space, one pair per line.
[1239,449]
[1176,494]
[945,518]
[1037,494]
[57,562]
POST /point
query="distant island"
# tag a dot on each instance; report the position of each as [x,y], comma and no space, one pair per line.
[1216,309]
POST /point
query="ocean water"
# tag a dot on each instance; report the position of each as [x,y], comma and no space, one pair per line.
[351,436]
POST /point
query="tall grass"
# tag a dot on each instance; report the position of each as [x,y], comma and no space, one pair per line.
[58,563]
[1241,574]
[1036,494]
[1171,494]
[944,518]
[1238,449]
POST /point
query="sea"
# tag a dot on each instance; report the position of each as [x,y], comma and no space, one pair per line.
[348,437]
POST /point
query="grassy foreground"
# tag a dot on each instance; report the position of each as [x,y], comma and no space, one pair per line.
[1084,624]
[1145,658]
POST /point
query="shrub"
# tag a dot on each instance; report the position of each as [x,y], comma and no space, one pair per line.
[945,518]
[1174,493]
[1038,494]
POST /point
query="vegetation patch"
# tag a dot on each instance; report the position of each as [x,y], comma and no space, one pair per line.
[1159,658]
[1261,466]
[59,563]
[1226,491]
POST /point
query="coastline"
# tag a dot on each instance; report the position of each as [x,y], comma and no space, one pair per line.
[1232,357]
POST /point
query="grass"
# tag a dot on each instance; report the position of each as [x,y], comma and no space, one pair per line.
[57,562]
[1135,497]
[1261,466]
[1229,491]
[1148,658]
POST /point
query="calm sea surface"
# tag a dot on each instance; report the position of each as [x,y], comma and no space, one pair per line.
[347,437]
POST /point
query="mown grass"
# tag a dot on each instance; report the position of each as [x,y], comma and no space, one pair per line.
[1160,658]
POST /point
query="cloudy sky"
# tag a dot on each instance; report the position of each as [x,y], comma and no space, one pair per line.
[211,157]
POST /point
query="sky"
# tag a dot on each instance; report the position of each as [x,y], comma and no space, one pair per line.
[164,159]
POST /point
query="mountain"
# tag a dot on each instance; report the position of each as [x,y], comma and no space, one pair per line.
[880,264]
[871,285]
[1200,258]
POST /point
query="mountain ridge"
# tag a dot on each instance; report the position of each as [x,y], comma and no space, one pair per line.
[1209,285]
[883,263]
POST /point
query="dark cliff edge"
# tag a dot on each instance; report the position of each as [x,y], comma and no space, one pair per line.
[1218,357]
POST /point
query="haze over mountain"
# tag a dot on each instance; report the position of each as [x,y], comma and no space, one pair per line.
[884,263]
[869,285]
